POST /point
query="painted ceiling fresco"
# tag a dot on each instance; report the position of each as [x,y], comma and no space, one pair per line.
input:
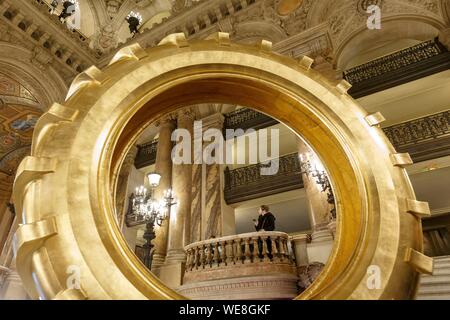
[17,120]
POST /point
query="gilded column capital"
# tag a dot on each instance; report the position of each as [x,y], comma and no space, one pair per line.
[167,120]
[131,156]
[186,113]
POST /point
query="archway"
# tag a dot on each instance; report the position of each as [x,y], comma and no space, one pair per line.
[64,189]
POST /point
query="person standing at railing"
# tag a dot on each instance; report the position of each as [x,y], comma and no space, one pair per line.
[266,220]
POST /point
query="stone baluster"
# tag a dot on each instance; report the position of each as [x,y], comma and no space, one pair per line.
[282,249]
[202,256]
[238,256]
[255,249]
[275,254]
[248,254]
[230,7]
[223,254]
[218,13]
[216,254]
[209,255]
[188,259]
[265,252]
[195,258]
[229,252]
[286,251]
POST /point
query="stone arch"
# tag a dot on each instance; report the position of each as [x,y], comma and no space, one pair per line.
[395,31]
[24,66]
[253,31]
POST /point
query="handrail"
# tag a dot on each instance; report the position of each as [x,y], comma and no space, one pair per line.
[248,248]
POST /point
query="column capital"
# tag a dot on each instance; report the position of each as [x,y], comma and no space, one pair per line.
[166,121]
[186,113]
[215,120]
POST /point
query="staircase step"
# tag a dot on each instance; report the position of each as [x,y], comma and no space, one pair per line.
[442,259]
[435,279]
[442,265]
[439,272]
[436,289]
[433,297]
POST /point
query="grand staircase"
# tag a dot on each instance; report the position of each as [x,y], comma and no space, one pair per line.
[436,286]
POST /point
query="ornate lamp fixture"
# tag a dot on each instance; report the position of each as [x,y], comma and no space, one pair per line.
[134,19]
[147,209]
[69,8]
[322,179]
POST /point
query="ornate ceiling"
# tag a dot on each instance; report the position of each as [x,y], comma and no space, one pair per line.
[18,116]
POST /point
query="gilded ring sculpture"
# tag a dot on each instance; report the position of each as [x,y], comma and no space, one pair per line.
[65,190]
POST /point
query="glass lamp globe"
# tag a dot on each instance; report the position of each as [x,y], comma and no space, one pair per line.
[153,179]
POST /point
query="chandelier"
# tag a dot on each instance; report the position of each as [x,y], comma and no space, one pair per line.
[145,208]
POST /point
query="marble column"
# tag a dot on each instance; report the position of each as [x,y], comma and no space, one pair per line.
[319,212]
[163,166]
[179,223]
[196,207]
[122,185]
[319,208]
[213,213]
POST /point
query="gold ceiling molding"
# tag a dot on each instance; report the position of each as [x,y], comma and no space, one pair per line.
[77,163]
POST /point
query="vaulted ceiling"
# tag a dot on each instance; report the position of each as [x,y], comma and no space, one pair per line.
[19,112]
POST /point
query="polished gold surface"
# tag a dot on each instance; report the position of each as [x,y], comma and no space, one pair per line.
[116,104]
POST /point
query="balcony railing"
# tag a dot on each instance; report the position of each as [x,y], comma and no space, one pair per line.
[256,247]
[146,155]
[247,119]
[256,265]
[410,64]
[247,183]
[424,139]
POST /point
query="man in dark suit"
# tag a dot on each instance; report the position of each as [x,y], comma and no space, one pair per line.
[266,220]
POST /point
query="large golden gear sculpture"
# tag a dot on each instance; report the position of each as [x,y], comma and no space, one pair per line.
[63,191]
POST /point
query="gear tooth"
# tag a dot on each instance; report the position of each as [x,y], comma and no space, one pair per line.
[28,241]
[306,62]
[419,261]
[70,294]
[56,114]
[92,75]
[266,46]
[375,119]
[343,86]
[29,233]
[175,39]
[418,208]
[401,160]
[29,170]
[131,52]
[222,38]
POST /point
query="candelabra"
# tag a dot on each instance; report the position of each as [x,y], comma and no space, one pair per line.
[145,209]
